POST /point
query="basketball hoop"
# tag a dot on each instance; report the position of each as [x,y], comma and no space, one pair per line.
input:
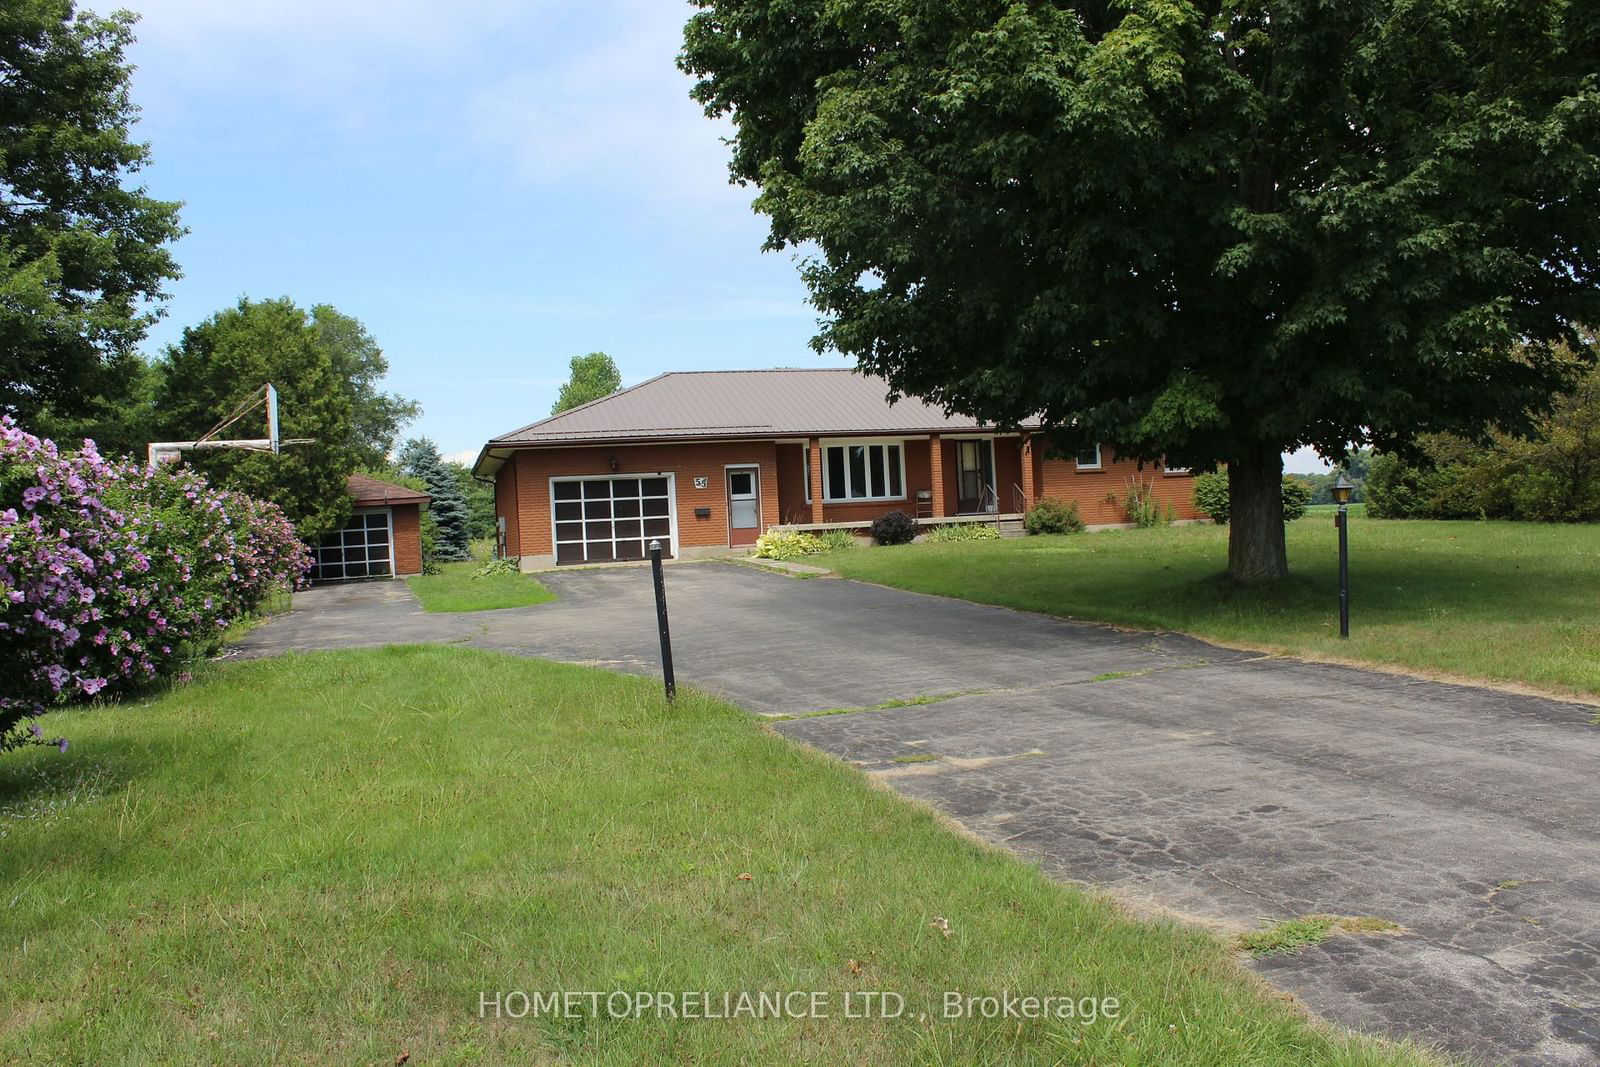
[171,451]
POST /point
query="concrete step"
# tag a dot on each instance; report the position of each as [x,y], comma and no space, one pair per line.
[1012,528]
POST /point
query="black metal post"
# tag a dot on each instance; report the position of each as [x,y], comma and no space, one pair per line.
[661,620]
[1344,572]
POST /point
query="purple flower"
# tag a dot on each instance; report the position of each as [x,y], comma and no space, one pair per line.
[61,743]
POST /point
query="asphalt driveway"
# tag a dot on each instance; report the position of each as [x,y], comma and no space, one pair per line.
[1221,786]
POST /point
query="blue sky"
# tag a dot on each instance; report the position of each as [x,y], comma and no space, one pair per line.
[491,186]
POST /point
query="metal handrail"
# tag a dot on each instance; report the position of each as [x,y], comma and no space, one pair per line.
[1019,499]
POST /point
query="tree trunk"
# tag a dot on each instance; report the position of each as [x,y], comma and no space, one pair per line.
[1255,519]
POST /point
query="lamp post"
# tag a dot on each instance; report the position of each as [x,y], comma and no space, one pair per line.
[1341,496]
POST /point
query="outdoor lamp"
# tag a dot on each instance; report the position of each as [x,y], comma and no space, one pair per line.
[1341,490]
[612,463]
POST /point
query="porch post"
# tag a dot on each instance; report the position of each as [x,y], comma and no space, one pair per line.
[936,468]
[815,446]
[1030,486]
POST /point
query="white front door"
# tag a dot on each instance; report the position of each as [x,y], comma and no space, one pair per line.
[744,505]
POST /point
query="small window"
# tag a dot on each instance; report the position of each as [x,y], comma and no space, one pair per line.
[741,484]
[1089,459]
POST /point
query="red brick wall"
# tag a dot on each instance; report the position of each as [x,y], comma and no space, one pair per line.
[407,519]
[505,506]
[1061,478]
[534,468]
[792,506]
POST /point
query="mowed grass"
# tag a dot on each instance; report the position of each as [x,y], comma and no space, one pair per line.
[329,858]
[455,588]
[1493,601]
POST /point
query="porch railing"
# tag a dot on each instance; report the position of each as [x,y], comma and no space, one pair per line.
[1019,500]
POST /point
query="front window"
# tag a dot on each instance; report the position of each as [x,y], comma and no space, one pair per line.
[853,472]
[1089,459]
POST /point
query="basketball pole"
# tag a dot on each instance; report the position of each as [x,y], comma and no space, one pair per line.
[167,451]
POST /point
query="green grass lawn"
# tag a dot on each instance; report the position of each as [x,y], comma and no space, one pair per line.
[455,589]
[328,858]
[1496,601]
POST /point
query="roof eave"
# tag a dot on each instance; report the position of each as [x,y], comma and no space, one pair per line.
[662,438]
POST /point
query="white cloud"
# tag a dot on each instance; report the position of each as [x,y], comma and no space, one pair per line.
[465,457]
[614,110]
[548,92]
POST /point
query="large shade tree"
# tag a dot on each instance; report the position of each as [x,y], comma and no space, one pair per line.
[83,249]
[1212,231]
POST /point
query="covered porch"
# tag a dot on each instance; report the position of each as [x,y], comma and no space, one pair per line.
[836,484]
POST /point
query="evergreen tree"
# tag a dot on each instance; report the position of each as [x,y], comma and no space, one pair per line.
[419,457]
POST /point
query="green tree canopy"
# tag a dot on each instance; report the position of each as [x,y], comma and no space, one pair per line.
[593,376]
[419,457]
[83,255]
[377,417]
[325,369]
[1213,231]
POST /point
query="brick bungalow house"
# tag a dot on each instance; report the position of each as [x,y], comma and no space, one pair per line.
[706,461]
[383,538]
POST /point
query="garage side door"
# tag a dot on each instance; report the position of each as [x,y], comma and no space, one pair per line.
[598,520]
[363,549]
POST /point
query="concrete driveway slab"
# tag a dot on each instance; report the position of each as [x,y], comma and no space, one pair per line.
[1222,786]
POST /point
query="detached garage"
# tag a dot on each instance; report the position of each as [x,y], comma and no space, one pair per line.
[383,538]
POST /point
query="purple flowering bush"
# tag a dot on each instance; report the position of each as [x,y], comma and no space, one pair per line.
[113,576]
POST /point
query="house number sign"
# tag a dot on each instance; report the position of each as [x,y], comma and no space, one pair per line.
[702,483]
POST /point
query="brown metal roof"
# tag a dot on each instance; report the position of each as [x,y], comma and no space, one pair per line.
[741,403]
[371,493]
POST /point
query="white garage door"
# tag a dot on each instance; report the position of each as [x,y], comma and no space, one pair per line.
[598,520]
[363,549]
